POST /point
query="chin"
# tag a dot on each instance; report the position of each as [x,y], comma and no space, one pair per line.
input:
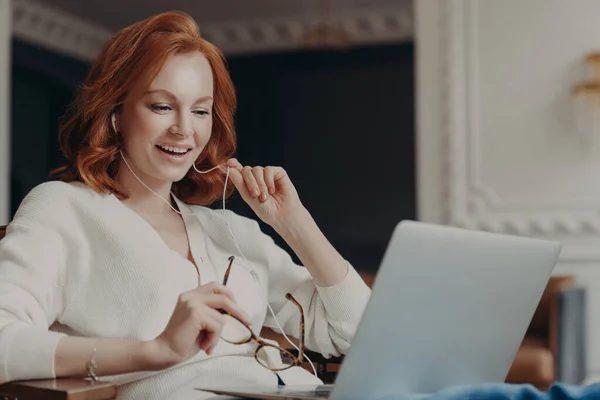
[174,175]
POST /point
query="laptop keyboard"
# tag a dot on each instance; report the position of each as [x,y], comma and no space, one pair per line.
[318,392]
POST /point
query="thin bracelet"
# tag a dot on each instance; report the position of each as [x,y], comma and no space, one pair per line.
[92,364]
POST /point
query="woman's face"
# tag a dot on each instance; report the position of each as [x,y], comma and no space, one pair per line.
[165,126]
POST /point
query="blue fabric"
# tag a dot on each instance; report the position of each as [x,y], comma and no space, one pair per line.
[505,391]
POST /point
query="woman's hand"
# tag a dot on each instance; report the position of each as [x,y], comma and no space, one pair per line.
[196,323]
[274,199]
[268,190]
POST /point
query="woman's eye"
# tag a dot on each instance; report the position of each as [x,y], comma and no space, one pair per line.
[160,107]
[201,113]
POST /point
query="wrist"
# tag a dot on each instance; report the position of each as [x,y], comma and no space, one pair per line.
[155,356]
[291,223]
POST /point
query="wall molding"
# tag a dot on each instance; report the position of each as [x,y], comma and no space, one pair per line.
[469,201]
[57,31]
[375,26]
[64,33]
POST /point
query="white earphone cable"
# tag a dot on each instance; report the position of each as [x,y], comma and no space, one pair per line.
[251,271]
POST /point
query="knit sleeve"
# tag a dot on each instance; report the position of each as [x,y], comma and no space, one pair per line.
[33,258]
[331,313]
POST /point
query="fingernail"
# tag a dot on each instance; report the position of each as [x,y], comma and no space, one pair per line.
[264,196]
[255,192]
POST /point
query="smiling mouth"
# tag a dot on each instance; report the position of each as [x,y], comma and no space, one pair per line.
[172,151]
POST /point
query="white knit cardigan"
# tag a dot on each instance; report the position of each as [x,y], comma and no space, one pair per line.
[81,263]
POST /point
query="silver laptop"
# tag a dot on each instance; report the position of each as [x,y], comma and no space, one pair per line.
[448,307]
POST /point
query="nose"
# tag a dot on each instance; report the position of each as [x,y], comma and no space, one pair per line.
[183,127]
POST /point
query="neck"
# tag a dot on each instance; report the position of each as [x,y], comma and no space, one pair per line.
[139,197]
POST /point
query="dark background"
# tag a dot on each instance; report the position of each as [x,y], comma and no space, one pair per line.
[340,122]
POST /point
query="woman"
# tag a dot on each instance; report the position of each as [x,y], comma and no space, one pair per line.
[118,269]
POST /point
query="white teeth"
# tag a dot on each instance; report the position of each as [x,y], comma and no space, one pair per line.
[173,149]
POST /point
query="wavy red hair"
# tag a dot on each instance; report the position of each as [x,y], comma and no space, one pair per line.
[139,51]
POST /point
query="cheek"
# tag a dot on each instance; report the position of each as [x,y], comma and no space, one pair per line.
[204,131]
[153,124]
[143,124]
[209,127]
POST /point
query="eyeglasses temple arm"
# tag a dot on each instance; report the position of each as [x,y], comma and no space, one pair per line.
[302,326]
[226,278]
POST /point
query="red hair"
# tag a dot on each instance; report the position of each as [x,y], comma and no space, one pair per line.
[86,139]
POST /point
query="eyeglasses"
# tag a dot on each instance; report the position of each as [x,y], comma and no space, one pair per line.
[235,332]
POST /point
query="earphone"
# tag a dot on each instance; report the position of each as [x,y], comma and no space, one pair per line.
[211,212]
[113,119]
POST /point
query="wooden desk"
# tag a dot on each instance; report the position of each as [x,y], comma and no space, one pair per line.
[59,389]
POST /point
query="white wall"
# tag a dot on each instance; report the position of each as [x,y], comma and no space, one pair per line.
[497,146]
[5,56]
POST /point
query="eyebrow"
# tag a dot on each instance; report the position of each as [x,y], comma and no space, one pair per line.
[173,97]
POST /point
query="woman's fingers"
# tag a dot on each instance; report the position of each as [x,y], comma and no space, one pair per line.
[234,163]
[212,330]
[238,180]
[255,182]
[222,303]
[270,179]
[259,176]
[218,297]
[251,183]
[214,288]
